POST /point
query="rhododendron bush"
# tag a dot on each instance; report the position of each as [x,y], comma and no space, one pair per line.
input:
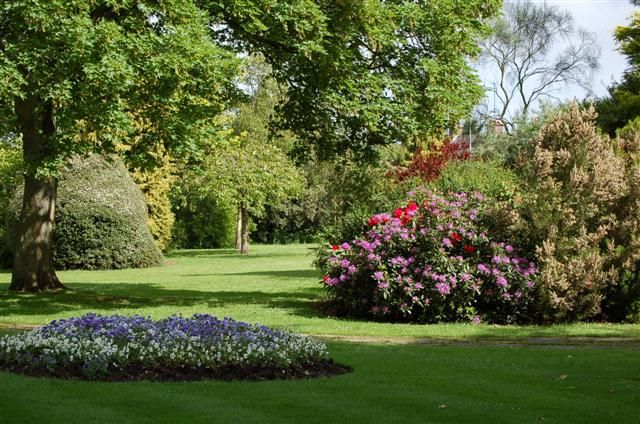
[432,260]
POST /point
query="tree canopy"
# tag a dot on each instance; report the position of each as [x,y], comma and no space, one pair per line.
[623,103]
[129,75]
[362,73]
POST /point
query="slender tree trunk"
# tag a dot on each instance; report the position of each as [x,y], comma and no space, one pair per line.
[239,228]
[33,262]
[245,229]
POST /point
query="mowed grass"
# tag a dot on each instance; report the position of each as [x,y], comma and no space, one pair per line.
[390,384]
[273,285]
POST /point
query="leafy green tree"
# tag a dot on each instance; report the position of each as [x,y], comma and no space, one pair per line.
[77,75]
[623,103]
[363,73]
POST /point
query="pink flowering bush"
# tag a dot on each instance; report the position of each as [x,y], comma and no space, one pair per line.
[430,261]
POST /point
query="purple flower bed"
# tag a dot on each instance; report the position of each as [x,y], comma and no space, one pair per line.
[433,260]
[96,347]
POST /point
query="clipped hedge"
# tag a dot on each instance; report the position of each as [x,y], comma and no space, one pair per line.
[101,217]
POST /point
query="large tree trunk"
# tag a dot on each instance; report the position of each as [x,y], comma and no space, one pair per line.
[239,228]
[245,229]
[33,263]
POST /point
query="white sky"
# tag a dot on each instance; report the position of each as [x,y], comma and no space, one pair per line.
[600,17]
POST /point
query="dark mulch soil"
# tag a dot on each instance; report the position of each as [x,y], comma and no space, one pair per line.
[137,372]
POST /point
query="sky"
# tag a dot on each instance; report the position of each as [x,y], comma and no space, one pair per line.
[600,17]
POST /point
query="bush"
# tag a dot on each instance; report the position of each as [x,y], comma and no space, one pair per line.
[431,261]
[202,223]
[101,218]
[338,199]
[572,213]
[487,177]
[427,165]
[95,347]
[10,177]
[156,185]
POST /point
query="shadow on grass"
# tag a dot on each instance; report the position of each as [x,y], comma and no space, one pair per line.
[129,296]
[294,273]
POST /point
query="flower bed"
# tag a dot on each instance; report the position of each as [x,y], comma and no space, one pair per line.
[174,348]
[433,260]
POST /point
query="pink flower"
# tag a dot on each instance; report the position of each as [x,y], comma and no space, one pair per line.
[501,281]
[443,288]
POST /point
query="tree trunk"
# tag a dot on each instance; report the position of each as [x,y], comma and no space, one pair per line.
[239,228]
[244,249]
[33,263]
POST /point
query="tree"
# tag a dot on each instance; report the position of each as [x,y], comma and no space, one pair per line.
[77,75]
[534,50]
[623,103]
[363,73]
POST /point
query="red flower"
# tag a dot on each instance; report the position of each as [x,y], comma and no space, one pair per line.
[412,207]
[373,221]
[325,278]
[398,212]
[335,247]
[456,236]
[468,248]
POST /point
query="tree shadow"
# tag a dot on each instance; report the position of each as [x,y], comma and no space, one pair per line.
[294,274]
[132,296]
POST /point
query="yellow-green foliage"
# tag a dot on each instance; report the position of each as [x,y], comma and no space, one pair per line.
[155,185]
[10,177]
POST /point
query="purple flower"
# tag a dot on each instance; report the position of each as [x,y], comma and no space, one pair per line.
[345,246]
[483,269]
[443,288]
[447,242]
[378,275]
[501,281]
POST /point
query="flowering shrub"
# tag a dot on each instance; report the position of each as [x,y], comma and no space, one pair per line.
[96,346]
[428,165]
[432,260]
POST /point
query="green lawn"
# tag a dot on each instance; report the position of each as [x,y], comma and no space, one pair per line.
[273,285]
[390,384]
[403,383]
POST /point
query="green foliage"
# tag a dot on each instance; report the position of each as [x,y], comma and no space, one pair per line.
[201,223]
[623,103]
[364,73]
[338,199]
[487,177]
[124,63]
[102,218]
[10,167]
[517,145]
